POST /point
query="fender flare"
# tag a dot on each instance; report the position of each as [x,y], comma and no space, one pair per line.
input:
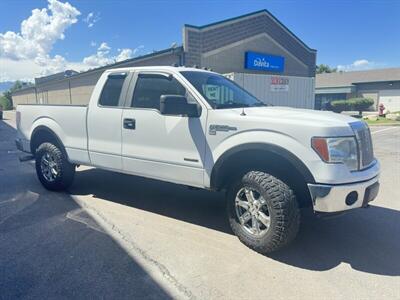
[278,150]
[51,132]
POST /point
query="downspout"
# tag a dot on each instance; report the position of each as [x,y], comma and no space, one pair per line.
[69,88]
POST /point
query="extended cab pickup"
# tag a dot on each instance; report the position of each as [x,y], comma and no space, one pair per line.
[197,128]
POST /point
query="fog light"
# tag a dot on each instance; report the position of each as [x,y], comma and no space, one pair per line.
[351,198]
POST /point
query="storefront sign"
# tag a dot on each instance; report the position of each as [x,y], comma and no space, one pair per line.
[263,62]
[279,84]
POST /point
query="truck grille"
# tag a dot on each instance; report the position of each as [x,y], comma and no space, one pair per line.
[364,141]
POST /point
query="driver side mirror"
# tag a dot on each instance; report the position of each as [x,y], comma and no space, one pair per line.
[178,105]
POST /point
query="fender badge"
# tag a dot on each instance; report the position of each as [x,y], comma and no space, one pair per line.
[225,128]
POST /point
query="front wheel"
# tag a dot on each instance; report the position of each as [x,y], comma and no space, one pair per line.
[263,212]
[53,169]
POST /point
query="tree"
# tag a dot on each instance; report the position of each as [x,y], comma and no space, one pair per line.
[6,99]
[325,69]
[5,104]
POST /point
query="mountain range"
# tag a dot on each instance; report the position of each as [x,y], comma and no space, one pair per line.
[4,86]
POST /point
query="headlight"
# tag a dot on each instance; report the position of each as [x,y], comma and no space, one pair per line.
[337,150]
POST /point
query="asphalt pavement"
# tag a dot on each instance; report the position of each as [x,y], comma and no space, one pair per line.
[125,237]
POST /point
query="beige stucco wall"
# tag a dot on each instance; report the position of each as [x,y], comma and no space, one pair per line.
[55,93]
[27,96]
[82,87]
[78,89]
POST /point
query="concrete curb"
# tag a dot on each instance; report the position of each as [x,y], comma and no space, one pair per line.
[386,124]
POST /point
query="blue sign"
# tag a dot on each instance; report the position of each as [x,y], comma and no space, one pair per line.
[264,62]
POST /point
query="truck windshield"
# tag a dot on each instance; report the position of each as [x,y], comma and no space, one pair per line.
[219,91]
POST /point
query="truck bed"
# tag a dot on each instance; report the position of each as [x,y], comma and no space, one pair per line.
[68,122]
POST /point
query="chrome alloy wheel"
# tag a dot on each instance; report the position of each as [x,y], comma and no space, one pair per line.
[252,212]
[49,167]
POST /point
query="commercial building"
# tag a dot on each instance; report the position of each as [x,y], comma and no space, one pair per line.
[383,86]
[256,50]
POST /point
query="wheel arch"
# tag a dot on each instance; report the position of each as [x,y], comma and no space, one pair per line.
[264,157]
[43,134]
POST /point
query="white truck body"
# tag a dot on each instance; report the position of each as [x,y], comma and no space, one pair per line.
[188,150]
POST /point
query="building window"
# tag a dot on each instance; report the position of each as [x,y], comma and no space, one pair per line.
[322,101]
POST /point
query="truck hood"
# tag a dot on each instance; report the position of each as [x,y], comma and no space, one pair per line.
[300,116]
[298,123]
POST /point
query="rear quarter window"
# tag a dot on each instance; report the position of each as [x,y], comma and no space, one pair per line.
[112,91]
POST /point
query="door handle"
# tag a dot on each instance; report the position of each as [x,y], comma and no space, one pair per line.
[130,124]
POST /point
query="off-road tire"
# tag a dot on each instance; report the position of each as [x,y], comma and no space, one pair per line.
[283,209]
[66,170]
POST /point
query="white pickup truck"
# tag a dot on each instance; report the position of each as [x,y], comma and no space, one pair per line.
[197,128]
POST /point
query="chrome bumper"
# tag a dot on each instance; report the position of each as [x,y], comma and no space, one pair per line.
[335,198]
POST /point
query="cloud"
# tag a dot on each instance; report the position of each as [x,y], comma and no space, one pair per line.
[100,58]
[39,32]
[91,19]
[358,65]
[104,47]
[124,54]
[137,50]
[25,54]
[28,69]
[103,57]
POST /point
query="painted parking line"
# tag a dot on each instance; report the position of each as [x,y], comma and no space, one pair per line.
[380,130]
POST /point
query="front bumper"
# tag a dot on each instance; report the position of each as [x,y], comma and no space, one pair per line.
[336,198]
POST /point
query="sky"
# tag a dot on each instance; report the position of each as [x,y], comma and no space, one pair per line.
[40,37]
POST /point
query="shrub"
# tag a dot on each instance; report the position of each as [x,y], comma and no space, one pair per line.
[5,103]
[361,104]
[339,105]
[358,104]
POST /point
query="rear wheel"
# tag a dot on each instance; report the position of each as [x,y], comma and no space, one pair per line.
[52,167]
[263,212]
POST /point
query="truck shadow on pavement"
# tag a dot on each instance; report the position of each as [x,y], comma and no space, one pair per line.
[51,248]
[366,239]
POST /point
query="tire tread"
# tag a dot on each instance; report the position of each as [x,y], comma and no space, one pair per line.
[67,170]
[286,208]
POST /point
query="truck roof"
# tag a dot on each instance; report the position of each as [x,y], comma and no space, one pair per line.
[158,68]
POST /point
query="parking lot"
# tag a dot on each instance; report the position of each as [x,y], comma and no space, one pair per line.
[118,236]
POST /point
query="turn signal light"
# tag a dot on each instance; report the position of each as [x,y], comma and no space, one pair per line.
[321,147]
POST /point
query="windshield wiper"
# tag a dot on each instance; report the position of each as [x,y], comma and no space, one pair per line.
[231,105]
[260,104]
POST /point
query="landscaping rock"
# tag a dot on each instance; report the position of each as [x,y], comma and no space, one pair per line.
[394,117]
[373,117]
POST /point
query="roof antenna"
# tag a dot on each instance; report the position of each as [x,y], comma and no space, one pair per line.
[243,112]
